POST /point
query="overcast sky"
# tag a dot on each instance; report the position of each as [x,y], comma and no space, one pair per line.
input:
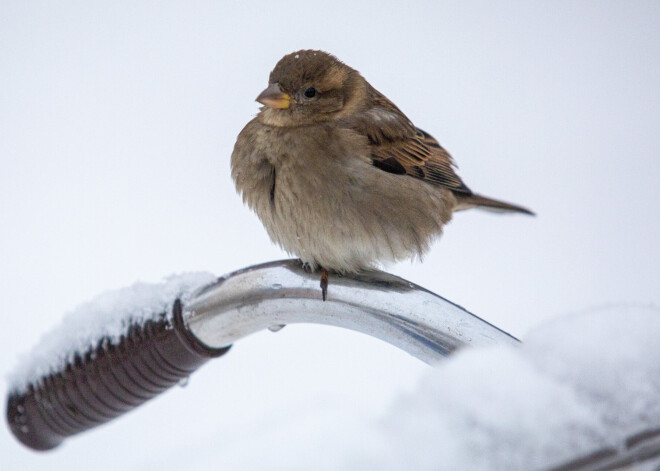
[117,121]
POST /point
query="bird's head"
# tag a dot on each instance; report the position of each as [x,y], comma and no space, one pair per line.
[308,87]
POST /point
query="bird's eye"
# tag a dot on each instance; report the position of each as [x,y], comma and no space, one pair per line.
[310,92]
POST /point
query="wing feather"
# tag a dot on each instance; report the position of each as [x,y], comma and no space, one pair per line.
[397,146]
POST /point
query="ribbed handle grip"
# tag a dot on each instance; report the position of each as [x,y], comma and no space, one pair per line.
[107,381]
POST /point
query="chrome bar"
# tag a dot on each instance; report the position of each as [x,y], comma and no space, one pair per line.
[375,303]
[639,451]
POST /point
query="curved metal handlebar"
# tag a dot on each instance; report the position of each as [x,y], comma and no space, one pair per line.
[375,303]
[112,378]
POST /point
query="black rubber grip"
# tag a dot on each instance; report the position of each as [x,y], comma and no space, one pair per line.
[107,381]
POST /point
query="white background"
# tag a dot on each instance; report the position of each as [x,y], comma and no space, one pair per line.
[117,120]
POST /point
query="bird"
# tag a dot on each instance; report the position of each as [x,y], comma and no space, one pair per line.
[338,174]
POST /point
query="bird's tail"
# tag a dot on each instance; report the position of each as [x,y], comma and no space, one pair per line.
[489,204]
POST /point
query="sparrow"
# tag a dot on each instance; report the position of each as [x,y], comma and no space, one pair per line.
[339,176]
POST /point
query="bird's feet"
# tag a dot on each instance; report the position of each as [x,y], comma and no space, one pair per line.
[310,268]
[324,284]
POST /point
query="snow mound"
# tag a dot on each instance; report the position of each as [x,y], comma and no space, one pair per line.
[575,385]
[106,316]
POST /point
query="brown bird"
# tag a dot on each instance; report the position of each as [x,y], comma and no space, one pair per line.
[339,176]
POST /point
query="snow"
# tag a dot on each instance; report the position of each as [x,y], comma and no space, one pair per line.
[106,316]
[577,384]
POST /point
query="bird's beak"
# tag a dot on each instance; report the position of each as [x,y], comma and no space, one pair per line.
[274,97]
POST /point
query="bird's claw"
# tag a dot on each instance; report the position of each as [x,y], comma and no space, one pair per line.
[307,267]
[324,284]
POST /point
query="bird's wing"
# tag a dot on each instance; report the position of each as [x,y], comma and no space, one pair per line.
[398,147]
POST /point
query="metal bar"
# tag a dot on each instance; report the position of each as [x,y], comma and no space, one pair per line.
[375,303]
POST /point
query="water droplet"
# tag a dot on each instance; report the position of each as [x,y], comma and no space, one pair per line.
[25,429]
[276,286]
[276,327]
[183,382]
[20,409]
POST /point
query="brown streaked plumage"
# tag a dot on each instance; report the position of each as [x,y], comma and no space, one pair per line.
[338,175]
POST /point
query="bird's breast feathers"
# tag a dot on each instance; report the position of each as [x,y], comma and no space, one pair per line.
[325,202]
